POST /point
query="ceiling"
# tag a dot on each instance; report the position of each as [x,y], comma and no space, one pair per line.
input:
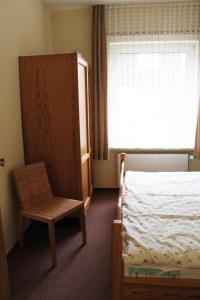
[56,3]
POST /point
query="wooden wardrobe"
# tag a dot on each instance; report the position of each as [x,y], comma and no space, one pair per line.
[56,121]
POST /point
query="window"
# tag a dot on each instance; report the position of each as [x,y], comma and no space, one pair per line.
[152,93]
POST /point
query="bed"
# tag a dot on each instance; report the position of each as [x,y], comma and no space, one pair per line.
[156,241]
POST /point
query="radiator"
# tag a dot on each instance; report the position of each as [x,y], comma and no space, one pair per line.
[156,162]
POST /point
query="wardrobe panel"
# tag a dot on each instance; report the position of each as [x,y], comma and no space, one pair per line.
[83,114]
[50,105]
[86,181]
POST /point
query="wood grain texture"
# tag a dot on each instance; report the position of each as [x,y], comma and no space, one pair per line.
[82,109]
[132,288]
[117,263]
[91,125]
[38,203]
[85,181]
[4,281]
[146,292]
[52,239]
[84,122]
[52,100]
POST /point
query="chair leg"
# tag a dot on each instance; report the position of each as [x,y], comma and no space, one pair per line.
[52,239]
[21,230]
[83,225]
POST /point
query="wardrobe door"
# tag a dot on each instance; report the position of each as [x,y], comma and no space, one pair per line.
[84,130]
[50,126]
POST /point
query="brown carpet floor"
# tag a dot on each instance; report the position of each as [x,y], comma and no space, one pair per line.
[83,273]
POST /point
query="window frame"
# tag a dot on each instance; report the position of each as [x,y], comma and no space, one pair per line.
[113,40]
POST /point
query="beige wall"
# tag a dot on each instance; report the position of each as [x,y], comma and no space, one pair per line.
[24,30]
[71,31]
[105,172]
[194,164]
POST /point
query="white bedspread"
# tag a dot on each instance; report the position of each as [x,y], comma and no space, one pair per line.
[161,218]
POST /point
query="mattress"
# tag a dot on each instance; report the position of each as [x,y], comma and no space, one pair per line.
[161,224]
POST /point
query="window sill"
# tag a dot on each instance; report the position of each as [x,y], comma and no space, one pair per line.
[154,150]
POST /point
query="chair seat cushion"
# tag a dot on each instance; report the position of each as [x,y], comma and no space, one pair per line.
[54,208]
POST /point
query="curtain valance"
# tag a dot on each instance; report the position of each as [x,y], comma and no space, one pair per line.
[153,18]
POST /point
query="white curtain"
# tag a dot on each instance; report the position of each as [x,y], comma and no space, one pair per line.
[153,54]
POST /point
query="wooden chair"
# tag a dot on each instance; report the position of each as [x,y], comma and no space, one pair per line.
[38,203]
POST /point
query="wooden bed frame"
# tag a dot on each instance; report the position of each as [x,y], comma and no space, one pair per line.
[139,288]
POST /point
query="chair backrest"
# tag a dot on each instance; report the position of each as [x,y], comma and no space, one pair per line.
[32,185]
